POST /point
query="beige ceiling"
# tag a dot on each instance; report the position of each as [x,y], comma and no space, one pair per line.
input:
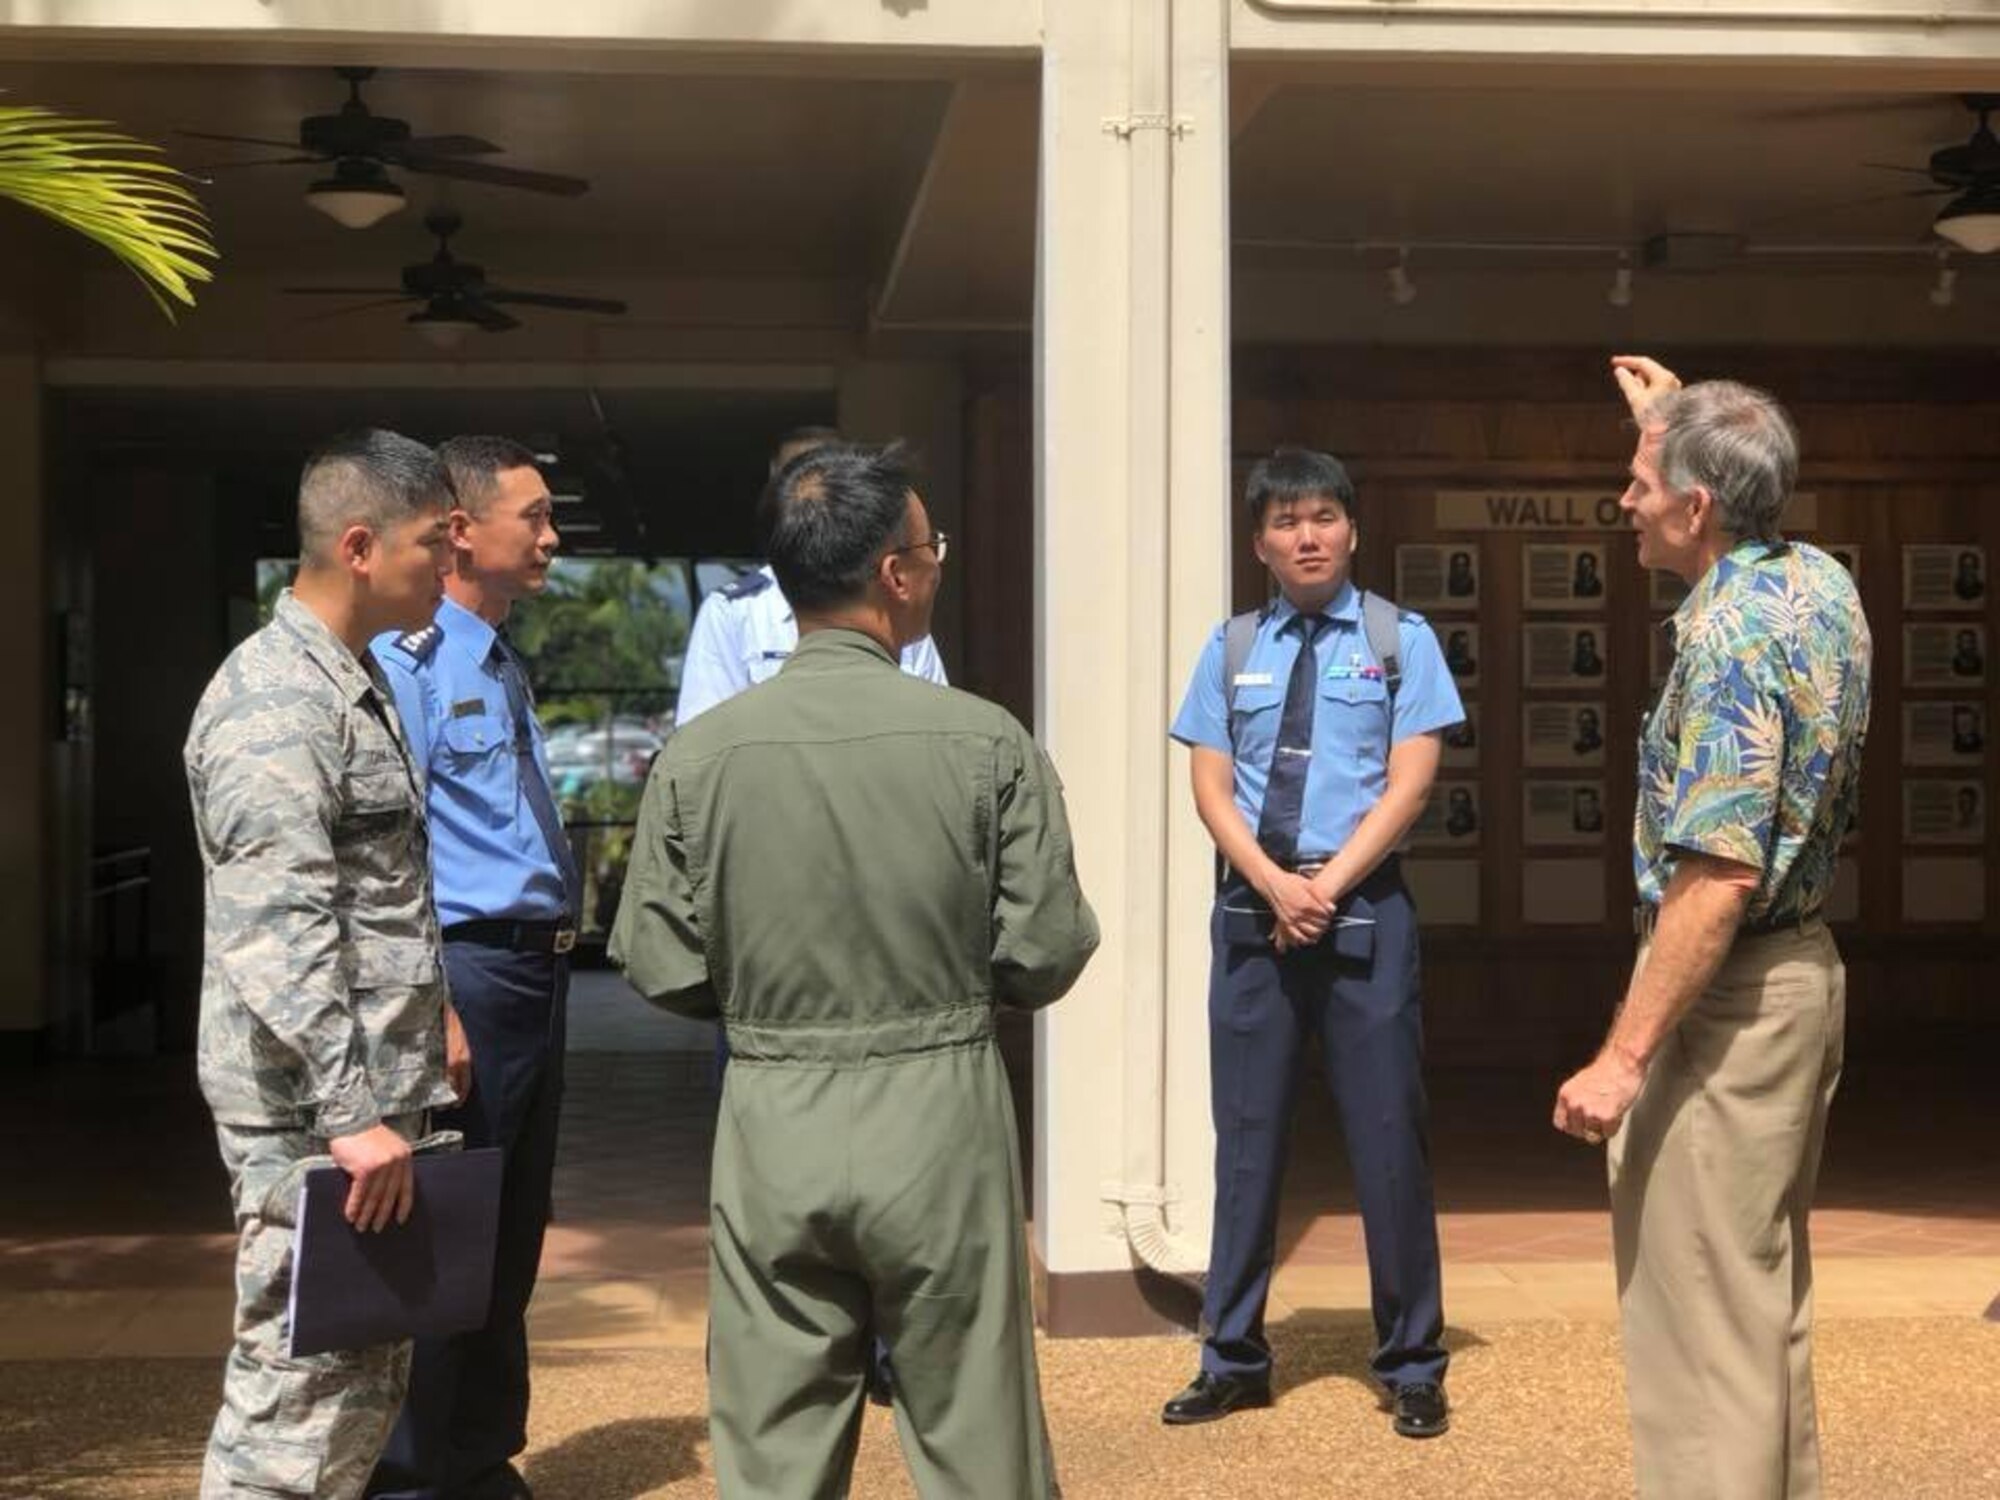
[1584,165]
[846,203]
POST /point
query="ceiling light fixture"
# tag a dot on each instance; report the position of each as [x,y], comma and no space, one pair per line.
[1619,294]
[1971,221]
[442,330]
[359,194]
[1402,290]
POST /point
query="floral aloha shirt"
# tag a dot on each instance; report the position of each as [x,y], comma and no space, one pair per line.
[1752,752]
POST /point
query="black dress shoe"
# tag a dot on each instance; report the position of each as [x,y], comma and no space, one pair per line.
[880,1379]
[1213,1396]
[1421,1410]
[501,1483]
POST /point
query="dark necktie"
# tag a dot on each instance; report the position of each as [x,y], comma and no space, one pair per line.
[1285,792]
[535,786]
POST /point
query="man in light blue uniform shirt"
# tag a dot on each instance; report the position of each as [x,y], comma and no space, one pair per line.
[1308,770]
[744,633]
[507,893]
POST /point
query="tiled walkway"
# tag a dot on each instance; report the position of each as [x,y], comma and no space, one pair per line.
[115,1292]
[115,1233]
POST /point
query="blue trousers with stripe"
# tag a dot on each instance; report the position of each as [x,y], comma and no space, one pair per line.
[1264,1007]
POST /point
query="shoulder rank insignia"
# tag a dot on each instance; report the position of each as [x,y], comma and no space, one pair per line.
[419,644]
[748,586]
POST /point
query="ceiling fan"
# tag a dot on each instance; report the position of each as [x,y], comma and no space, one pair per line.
[361,147]
[1968,174]
[1972,174]
[456,296]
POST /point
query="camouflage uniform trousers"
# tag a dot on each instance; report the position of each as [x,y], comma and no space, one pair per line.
[292,1427]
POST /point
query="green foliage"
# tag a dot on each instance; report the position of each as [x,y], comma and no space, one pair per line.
[105,185]
[600,639]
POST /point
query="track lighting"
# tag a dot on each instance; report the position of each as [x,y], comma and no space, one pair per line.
[1402,290]
[1944,291]
[1619,294]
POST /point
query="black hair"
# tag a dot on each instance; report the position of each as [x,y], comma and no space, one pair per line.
[476,464]
[370,477]
[1292,474]
[831,513]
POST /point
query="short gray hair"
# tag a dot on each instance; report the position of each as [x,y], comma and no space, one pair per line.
[1733,441]
[371,478]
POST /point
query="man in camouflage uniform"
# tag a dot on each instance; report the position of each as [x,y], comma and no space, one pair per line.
[323,1012]
[854,868]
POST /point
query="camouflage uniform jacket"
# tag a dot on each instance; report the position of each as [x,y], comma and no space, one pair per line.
[322,997]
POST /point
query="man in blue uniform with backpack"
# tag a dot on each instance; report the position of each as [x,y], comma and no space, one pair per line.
[1315,729]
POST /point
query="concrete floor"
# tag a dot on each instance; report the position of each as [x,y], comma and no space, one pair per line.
[115,1289]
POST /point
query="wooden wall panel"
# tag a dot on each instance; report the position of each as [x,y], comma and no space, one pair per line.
[1898,449]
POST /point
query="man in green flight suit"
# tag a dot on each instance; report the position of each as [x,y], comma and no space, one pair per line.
[851,868]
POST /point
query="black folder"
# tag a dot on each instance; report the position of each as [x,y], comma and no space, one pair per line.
[429,1277]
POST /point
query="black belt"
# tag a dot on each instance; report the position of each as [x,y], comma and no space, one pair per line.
[1646,916]
[520,937]
[1308,865]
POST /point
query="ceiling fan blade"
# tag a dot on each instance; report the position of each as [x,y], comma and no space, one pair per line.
[357,307]
[489,318]
[550,299]
[343,291]
[241,140]
[1815,210]
[262,161]
[444,145]
[514,177]
[1848,108]
[1891,166]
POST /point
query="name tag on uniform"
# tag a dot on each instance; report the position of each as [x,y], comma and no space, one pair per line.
[468,708]
[1253,679]
[775,655]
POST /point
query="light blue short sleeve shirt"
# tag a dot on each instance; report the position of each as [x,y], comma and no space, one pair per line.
[744,633]
[1353,725]
[489,859]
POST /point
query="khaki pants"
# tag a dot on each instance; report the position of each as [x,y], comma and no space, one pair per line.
[1712,1178]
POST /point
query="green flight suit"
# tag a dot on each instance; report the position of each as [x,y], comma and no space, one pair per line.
[852,867]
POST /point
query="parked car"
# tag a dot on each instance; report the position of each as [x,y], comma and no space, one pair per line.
[619,753]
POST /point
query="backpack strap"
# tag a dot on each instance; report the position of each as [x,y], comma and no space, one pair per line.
[1237,638]
[1383,621]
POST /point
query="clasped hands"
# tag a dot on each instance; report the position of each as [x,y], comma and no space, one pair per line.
[1303,905]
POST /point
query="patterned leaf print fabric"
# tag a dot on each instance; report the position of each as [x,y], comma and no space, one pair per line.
[1753,751]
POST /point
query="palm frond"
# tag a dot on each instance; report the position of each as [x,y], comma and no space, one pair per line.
[107,185]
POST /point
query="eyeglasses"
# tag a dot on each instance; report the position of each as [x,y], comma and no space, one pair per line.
[937,539]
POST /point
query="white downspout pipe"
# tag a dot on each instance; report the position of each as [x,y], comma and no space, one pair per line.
[1145,1196]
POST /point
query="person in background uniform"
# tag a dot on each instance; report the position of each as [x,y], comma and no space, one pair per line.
[507,895]
[745,632]
[852,868]
[1308,776]
[1714,1084]
[325,1029]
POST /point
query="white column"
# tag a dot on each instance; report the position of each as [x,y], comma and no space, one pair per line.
[1131,342]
